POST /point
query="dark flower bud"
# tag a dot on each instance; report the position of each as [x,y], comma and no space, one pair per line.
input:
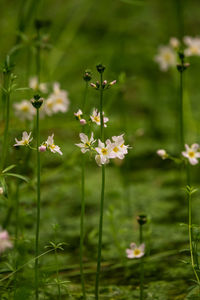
[100,68]
[181,55]
[142,219]
[37,101]
[182,67]
[97,84]
[87,75]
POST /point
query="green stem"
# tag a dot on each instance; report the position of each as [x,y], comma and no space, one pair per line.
[17,213]
[57,274]
[141,267]
[83,209]
[38,63]
[181,112]
[102,197]
[190,225]
[82,226]
[7,121]
[38,207]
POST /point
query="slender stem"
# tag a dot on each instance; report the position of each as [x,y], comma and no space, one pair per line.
[38,63]
[17,213]
[57,274]
[141,266]
[190,236]
[83,208]
[7,121]
[82,226]
[181,112]
[102,197]
[38,207]
[190,224]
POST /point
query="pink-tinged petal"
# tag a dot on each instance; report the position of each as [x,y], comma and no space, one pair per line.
[129,253]
[193,161]
[139,255]
[195,147]
[83,137]
[100,144]
[197,154]
[142,247]
[133,246]
[98,160]
[187,147]
[80,145]
[185,154]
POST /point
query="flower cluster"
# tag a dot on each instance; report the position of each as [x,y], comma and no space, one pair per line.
[57,101]
[94,117]
[5,242]
[47,145]
[191,153]
[134,251]
[104,151]
[167,55]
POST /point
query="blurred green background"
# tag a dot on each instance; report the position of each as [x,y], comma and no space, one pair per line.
[124,35]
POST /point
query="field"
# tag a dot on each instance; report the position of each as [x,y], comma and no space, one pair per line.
[118,57]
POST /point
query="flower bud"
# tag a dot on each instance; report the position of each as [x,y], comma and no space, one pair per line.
[93,85]
[113,82]
[182,67]
[1,190]
[105,82]
[142,219]
[37,101]
[87,75]
[83,121]
[42,148]
[100,68]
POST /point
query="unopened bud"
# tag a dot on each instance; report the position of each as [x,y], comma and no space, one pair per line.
[83,121]
[182,67]
[142,219]
[42,148]
[87,75]
[100,68]
[1,191]
[37,101]
[113,82]
[93,85]
[105,82]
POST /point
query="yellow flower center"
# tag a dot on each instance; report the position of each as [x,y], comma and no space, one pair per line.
[191,154]
[97,119]
[25,108]
[53,146]
[167,57]
[122,145]
[87,144]
[194,49]
[25,142]
[104,151]
[59,101]
[50,104]
[116,149]
[136,251]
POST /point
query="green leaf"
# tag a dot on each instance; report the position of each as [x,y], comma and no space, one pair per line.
[17,176]
[8,168]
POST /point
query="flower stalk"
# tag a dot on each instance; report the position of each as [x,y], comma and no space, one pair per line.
[141,221]
[100,69]
[87,78]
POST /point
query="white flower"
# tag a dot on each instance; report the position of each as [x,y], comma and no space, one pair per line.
[162,153]
[1,190]
[51,146]
[104,152]
[26,139]
[174,42]
[119,150]
[78,114]
[86,143]
[193,46]
[5,241]
[95,117]
[134,251]
[57,102]
[24,110]
[192,153]
[166,58]
[33,84]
